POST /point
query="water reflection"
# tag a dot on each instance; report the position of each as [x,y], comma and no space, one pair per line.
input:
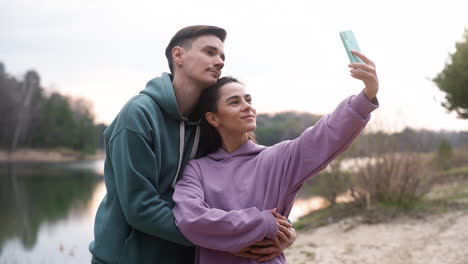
[303,207]
[43,208]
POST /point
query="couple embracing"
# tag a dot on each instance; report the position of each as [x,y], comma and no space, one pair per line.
[186,181]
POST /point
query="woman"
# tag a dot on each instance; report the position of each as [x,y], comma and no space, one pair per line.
[224,200]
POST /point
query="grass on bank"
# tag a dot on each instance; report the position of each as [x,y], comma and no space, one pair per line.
[459,171]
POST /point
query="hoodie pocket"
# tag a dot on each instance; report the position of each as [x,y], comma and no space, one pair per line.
[129,253]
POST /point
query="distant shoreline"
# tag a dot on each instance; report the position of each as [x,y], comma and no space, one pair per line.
[48,155]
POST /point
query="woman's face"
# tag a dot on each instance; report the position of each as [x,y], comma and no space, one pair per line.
[235,111]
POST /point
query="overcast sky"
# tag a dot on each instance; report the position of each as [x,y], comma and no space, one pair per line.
[288,53]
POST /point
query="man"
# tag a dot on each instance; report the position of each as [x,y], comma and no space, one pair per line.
[147,147]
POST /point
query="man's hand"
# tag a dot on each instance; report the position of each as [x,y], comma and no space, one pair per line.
[246,253]
[284,239]
[268,249]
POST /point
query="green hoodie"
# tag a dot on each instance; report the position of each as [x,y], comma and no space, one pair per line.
[134,222]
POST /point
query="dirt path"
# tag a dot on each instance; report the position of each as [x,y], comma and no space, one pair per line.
[437,239]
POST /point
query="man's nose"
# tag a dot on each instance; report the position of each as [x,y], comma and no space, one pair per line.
[219,63]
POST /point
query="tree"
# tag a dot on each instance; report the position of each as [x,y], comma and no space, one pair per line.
[333,181]
[453,80]
[8,107]
[444,155]
[30,86]
[272,129]
[30,118]
[2,69]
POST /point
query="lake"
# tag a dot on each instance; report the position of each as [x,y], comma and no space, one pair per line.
[48,211]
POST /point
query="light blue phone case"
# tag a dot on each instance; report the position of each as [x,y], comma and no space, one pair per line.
[350,43]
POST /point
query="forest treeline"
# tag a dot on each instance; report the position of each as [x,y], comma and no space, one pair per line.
[33,118]
[273,128]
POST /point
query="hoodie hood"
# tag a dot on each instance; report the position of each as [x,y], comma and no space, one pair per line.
[160,89]
[249,148]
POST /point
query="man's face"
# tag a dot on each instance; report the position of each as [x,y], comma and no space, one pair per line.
[203,61]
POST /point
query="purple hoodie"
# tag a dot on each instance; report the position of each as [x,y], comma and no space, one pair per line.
[224,201]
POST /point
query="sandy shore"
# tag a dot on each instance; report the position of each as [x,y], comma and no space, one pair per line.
[436,239]
[41,155]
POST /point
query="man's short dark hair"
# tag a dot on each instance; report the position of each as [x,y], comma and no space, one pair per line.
[185,36]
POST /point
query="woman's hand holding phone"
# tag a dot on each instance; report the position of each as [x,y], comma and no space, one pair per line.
[365,72]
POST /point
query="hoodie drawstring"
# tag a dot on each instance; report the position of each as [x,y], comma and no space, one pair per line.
[181,147]
[195,143]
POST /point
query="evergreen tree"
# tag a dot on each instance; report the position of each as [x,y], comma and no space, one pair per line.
[444,154]
[453,80]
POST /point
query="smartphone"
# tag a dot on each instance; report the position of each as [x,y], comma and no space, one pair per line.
[350,43]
